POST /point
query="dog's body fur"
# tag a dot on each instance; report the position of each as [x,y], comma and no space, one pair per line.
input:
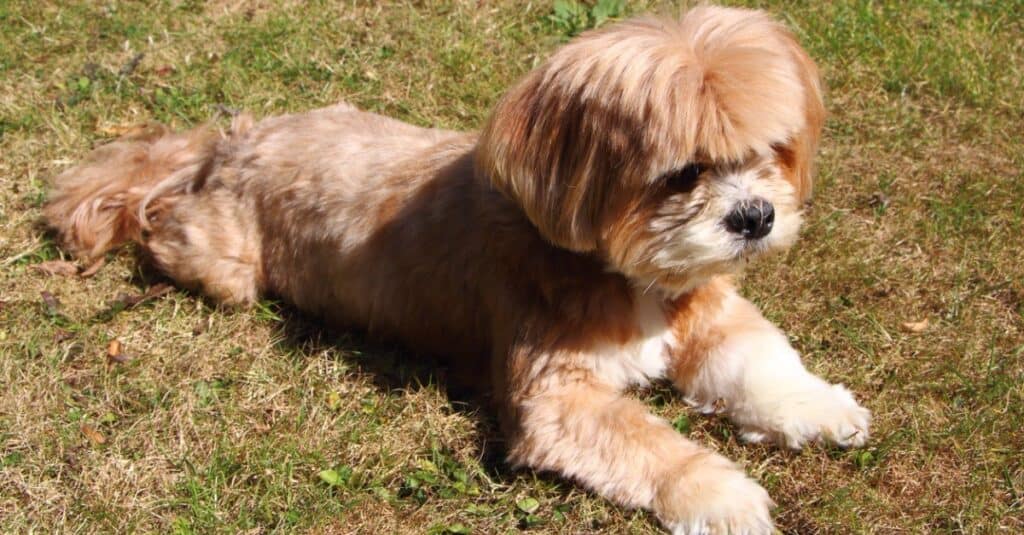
[502,250]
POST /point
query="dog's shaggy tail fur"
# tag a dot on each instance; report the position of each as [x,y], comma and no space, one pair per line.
[155,188]
[113,195]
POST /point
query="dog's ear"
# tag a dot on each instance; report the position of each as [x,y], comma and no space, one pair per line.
[540,148]
[798,155]
[563,142]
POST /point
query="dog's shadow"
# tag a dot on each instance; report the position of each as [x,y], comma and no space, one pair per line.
[394,370]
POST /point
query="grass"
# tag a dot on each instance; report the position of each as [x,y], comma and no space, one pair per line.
[212,421]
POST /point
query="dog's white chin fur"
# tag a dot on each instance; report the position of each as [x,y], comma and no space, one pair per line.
[525,254]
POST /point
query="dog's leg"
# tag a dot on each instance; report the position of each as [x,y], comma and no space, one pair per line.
[587,431]
[732,359]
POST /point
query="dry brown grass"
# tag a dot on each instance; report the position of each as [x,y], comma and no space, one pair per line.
[222,421]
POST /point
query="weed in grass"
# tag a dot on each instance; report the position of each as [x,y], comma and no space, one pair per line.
[571,17]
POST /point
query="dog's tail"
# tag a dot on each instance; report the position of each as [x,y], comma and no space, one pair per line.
[112,196]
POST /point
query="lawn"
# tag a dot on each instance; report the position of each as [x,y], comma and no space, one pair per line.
[907,286]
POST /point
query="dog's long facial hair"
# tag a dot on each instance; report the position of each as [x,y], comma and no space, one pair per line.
[580,245]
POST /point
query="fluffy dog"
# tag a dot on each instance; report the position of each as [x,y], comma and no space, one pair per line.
[582,243]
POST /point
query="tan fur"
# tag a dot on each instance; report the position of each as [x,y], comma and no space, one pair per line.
[100,203]
[549,250]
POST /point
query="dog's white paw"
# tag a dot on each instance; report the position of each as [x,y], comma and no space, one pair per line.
[821,412]
[713,496]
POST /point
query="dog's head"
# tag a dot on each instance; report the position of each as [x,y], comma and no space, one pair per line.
[675,150]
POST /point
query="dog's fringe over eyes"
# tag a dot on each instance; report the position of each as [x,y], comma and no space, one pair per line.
[575,247]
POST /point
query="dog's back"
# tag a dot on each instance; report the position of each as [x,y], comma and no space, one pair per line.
[200,201]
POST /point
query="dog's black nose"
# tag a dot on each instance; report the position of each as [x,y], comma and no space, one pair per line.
[751,219]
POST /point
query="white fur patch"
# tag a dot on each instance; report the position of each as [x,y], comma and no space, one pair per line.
[644,358]
[770,394]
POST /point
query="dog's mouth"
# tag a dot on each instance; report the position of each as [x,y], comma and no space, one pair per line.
[682,274]
[750,249]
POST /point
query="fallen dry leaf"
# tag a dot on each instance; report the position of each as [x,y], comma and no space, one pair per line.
[61,335]
[119,359]
[157,290]
[93,435]
[879,200]
[126,301]
[51,302]
[114,130]
[74,351]
[201,326]
[92,269]
[122,130]
[132,64]
[115,353]
[56,267]
[916,326]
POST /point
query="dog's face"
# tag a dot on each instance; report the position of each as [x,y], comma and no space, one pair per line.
[704,218]
[675,150]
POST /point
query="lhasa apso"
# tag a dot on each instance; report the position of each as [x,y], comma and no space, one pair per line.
[582,243]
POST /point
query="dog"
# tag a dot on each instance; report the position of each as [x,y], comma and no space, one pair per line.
[582,243]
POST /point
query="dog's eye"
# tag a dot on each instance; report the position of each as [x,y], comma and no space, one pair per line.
[684,179]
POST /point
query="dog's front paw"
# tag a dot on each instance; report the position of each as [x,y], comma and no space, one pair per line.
[711,496]
[819,412]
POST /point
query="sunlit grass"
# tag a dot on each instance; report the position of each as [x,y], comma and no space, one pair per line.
[221,421]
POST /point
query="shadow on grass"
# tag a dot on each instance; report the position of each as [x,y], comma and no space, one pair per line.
[393,369]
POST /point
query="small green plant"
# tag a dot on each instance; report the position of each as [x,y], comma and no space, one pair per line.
[343,476]
[682,424]
[571,17]
[527,507]
[442,476]
[450,529]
